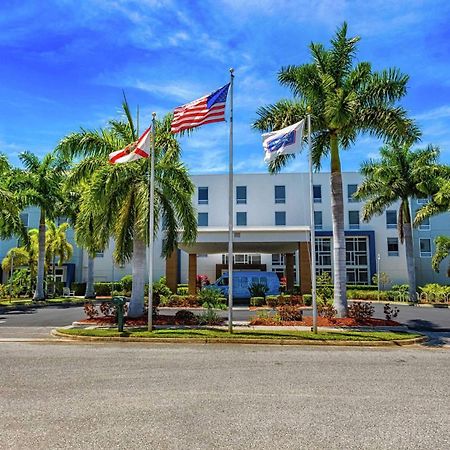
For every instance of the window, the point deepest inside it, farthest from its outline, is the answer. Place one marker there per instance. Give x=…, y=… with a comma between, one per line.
x=422, y=200
x=277, y=259
x=351, y=189
x=241, y=195
x=425, y=225
x=425, y=248
x=99, y=255
x=243, y=258
x=280, y=194
x=357, y=260
x=24, y=219
x=317, y=193
x=280, y=218
x=353, y=220
x=356, y=275
x=318, y=220
x=392, y=246
x=202, y=195
x=391, y=219
x=323, y=253
x=241, y=218
x=202, y=219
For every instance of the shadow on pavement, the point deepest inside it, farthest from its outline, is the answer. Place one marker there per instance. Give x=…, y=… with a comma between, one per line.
x=420, y=324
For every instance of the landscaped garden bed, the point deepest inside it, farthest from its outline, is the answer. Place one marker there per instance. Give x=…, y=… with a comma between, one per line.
x=326, y=322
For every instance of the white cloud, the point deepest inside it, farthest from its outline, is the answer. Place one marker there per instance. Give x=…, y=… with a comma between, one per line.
x=442, y=112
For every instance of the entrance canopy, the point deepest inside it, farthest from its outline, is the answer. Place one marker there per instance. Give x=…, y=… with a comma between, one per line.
x=279, y=239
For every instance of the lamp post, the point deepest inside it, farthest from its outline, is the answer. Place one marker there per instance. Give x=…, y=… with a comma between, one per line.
x=378, y=275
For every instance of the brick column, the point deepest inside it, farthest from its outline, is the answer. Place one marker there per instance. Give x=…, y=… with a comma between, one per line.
x=192, y=281
x=172, y=271
x=305, y=267
x=289, y=272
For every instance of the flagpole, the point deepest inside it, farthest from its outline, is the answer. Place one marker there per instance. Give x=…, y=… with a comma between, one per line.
x=230, y=211
x=151, y=180
x=312, y=232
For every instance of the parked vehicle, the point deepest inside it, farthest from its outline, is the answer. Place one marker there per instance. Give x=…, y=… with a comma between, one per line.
x=242, y=281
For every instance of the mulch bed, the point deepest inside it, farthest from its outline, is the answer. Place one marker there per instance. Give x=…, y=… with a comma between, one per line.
x=138, y=322
x=325, y=322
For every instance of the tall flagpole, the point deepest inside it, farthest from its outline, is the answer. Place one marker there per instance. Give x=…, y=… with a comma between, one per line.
x=230, y=212
x=151, y=181
x=312, y=232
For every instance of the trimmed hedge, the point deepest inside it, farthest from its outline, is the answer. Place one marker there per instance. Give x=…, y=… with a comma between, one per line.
x=101, y=288
x=257, y=301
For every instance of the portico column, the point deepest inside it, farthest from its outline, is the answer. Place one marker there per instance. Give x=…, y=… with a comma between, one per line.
x=289, y=262
x=192, y=281
x=172, y=271
x=304, y=267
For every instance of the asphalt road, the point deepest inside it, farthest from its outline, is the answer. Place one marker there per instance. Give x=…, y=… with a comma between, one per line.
x=412, y=316
x=78, y=396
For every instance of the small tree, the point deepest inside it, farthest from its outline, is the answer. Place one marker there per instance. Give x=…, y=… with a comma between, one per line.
x=384, y=280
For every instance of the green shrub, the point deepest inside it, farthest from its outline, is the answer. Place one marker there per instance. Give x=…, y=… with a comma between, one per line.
x=258, y=289
x=127, y=283
x=434, y=292
x=257, y=301
x=209, y=317
x=78, y=288
x=370, y=295
x=272, y=301
x=182, y=291
x=160, y=288
x=180, y=301
x=324, y=289
x=211, y=297
x=307, y=299
x=289, y=313
x=186, y=317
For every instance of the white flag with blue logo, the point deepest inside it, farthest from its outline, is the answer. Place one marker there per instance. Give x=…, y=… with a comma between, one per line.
x=282, y=142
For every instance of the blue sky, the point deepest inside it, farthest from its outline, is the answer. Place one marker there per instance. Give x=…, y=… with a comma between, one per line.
x=65, y=63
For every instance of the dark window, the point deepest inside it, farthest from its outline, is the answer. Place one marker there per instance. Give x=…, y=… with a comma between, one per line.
x=391, y=219
x=392, y=245
x=425, y=247
x=241, y=218
x=202, y=219
x=353, y=220
x=241, y=195
x=425, y=225
x=202, y=195
x=318, y=220
x=280, y=194
x=351, y=189
x=24, y=219
x=317, y=193
x=280, y=218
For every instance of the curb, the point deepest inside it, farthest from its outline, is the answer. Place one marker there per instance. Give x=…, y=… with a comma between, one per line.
x=396, y=343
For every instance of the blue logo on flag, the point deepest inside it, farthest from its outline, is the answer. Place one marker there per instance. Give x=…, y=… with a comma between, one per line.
x=280, y=142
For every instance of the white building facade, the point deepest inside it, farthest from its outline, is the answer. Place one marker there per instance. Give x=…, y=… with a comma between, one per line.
x=271, y=228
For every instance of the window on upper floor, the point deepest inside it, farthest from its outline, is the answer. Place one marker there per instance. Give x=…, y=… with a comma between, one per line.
x=99, y=254
x=317, y=193
x=353, y=220
x=241, y=195
x=202, y=219
x=425, y=247
x=391, y=219
x=392, y=246
x=241, y=219
x=280, y=217
x=280, y=194
x=318, y=220
x=425, y=225
x=423, y=199
x=24, y=219
x=351, y=189
x=202, y=195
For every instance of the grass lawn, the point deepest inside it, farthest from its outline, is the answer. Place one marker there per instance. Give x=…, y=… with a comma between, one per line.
x=245, y=334
x=49, y=301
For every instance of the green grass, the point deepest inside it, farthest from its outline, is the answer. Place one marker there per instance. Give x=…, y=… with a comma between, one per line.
x=50, y=301
x=247, y=334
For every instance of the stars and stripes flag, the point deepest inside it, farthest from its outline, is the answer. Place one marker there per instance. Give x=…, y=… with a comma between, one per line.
x=208, y=109
x=134, y=151
x=285, y=141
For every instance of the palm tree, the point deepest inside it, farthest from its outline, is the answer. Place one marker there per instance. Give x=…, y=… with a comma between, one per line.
x=57, y=247
x=344, y=100
x=398, y=176
x=40, y=185
x=439, y=203
x=118, y=195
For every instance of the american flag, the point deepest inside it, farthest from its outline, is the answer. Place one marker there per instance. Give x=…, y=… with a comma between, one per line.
x=208, y=109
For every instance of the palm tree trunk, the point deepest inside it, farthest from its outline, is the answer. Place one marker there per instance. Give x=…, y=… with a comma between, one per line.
x=90, y=292
x=39, y=293
x=409, y=250
x=136, y=307
x=337, y=213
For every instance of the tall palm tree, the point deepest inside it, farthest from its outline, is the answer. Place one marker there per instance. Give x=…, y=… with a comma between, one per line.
x=439, y=203
x=398, y=176
x=345, y=99
x=118, y=195
x=40, y=185
x=58, y=247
